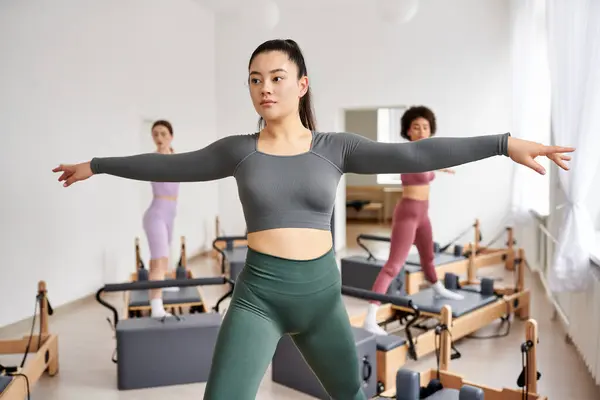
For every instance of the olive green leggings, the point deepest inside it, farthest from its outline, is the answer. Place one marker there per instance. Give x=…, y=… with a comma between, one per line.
x=275, y=296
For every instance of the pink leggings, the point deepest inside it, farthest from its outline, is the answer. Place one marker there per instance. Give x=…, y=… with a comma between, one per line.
x=410, y=224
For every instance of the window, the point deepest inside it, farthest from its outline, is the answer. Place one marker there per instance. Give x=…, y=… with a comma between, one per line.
x=388, y=131
x=539, y=104
x=531, y=113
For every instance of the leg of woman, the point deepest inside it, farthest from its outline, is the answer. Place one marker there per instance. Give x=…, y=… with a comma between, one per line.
x=330, y=350
x=424, y=244
x=404, y=226
x=156, y=233
x=245, y=347
x=169, y=221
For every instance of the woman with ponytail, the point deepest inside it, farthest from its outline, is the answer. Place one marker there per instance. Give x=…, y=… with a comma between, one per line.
x=159, y=219
x=287, y=175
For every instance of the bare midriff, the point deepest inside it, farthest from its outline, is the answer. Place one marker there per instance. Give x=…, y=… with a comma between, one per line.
x=416, y=192
x=171, y=198
x=292, y=243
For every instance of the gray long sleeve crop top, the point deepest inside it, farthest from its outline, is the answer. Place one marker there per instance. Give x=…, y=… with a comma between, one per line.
x=298, y=191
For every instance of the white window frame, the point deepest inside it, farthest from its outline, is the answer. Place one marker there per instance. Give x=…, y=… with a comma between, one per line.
x=388, y=131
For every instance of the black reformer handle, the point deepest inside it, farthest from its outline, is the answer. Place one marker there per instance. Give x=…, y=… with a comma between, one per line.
x=375, y=238
x=384, y=298
x=229, y=238
x=144, y=285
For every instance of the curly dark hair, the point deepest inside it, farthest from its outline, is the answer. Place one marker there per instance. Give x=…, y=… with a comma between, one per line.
x=413, y=113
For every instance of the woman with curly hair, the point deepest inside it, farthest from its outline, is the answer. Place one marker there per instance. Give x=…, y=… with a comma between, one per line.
x=410, y=222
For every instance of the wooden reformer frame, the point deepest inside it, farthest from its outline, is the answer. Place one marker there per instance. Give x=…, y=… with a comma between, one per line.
x=451, y=380
x=478, y=256
x=41, y=349
x=510, y=300
x=170, y=275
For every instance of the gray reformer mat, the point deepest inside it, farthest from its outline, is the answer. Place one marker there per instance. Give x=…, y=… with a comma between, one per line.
x=4, y=382
x=185, y=295
x=444, y=394
x=359, y=272
x=153, y=352
x=410, y=383
x=427, y=301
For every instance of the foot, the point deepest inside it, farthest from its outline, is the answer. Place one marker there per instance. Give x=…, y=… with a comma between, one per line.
x=170, y=289
x=160, y=314
x=158, y=310
x=375, y=329
x=370, y=323
x=441, y=291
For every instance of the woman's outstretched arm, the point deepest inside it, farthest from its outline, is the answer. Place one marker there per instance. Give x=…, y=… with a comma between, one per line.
x=216, y=161
x=365, y=156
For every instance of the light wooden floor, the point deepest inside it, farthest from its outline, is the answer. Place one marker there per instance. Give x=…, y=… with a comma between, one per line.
x=86, y=345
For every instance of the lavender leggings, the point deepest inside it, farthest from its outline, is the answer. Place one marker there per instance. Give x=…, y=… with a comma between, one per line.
x=158, y=224
x=410, y=224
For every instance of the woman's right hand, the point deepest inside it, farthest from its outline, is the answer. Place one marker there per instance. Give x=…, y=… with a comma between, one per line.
x=72, y=173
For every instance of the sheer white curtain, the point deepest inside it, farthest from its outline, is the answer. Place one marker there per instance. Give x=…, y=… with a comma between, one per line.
x=530, y=103
x=574, y=54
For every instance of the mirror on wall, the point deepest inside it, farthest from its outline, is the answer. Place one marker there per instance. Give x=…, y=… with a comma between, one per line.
x=370, y=199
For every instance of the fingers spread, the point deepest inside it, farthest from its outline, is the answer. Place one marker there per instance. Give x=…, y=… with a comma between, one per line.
x=558, y=160
x=531, y=163
x=556, y=149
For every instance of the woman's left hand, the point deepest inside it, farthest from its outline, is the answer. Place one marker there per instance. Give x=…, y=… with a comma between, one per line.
x=524, y=152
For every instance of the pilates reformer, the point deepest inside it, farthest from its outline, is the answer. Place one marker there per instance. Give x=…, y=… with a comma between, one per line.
x=232, y=252
x=138, y=302
x=16, y=382
x=361, y=271
x=482, y=304
x=153, y=352
x=441, y=384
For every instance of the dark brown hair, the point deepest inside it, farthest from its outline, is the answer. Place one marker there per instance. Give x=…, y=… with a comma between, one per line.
x=166, y=124
x=294, y=53
x=413, y=113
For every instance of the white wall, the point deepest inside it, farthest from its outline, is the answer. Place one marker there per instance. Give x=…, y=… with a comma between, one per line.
x=77, y=78
x=453, y=57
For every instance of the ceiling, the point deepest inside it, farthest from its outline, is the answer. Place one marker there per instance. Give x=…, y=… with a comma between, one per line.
x=228, y=5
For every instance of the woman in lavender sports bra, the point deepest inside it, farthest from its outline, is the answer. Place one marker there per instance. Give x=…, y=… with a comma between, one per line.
x=159, y=218
x=410, y=223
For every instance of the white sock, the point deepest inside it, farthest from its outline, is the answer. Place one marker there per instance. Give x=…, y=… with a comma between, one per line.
x=441, y=291
x=170, y=289
x=370, y=323
x=158, y=310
